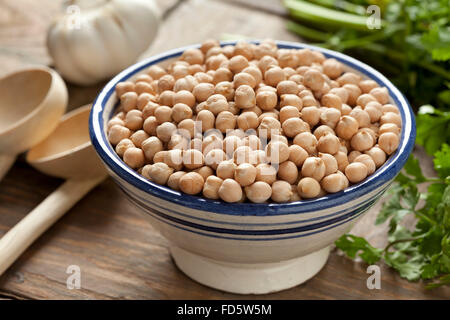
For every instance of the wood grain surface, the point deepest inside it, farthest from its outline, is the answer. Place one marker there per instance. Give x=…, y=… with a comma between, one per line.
x=120, y=255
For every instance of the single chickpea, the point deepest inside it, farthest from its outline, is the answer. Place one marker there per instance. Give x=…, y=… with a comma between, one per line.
x=280, y=138
x=214, y=62
x=341, y=93
x=252, y=141
x=191, y=183
x=374, y=109
x=211, y=187
x=349, y=78
x=166, y=82
x=143, y=101
x=242, y=78
x=225, y=121
x=305, y=57
x=332, y=183
x=115, y=121
x=181, y=111
x=356, y=172
x=297, y=155
x=193, y=56
x=322, y=130
x=145, y=170
x=238, y=63
x=342, y=160
x=166, y=98
x=331, y=100
x=388, y=117
x=203, y=77
x=287, y=58
x=367, y=85
x=150, y=125
x=268, y=126
x=247, y=120
x=163, y=114
x=174, y=159
x=226, y=169
x=244, y=97
x=353, y=93
x=258, y=192
x=347, y=127
x=361, y=116
x=371, y=132
x=230, y=191
x=287, y=87
x=226, y=89
x=231, y=143
x=174, y=180
x=203, y=91
x=211, y=142
x=332, y=68
x=165, y=130
x=288, y=112
x=307, y=141
x=273, y=76
x=267, y=62
x=196, y=68
x=291, y=100
x=313, y=167
x=138, y=137
x=160, y=173
x=352, y=155
x=388, y=142
x=282, y=191
x=362, y=141
x=118, y=133
x=123, y=87
x=266, y=100
x=159, y=156
x=235, y=110
x=389, y=127
x=156, y=72
x=367, y=161
x=266, y=173
x=222, y=74
x=328, y=143
x=216, y=104
x=308, y=188
x=277, y=152
x=205, y=172
x=214, y=157
x=389, y=108
x=208, y=44
x=187, y=128
x=193, y=159
x=184, y=96
x=310, y=115
x=381, y=94
x=331, y=164
x=177, y=141
x=346, y=110
x=288, y=171
x=179, y=71
x=207, y=119
x=313, y=79
x=142, y=87
x=255, y=73
x=294, y=126
x=378, y=155
x=330, y=117
x=128, y=101
x=242, y=155
x=123, y=145
x=134, y=120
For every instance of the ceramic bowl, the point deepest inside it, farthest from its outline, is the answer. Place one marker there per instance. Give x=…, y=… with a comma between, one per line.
x=244, y=247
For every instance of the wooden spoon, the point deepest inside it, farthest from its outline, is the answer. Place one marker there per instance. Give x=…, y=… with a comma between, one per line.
x=32, y=102
x=66, y=153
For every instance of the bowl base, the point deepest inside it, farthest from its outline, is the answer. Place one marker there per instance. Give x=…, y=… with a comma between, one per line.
x=258, y=278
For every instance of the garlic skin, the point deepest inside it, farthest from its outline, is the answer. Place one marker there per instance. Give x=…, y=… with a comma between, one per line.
x=97, y=39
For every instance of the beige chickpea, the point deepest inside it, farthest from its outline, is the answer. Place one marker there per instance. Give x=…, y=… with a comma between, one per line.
x=332, y=183
x=214, y=62
x=362, y=141
x=313, y=167
x=310, y=115
x=205, y=172
x=151, y=146
x=267, y=62
x=389, y=127
x=211, y=142
x=252, y=141
x=138, y=137
x=166, y=98
x=165, y=130
x=174, y=180
x=203, y=77
x=134, y=120
x=191, y=183
x=322, y=130
x=142, y=87
x=356, y=172
x=231, y=143
x=230, y=191
x=174, y=159
x=159, y=156
x=378, y=155
x=361, y=116
x=352, y=155
x=166, y=82
x=163, y=114
x=288, y=171
x=367, y=85
x=244, y=97
x=313, y=79
x=274, y=75
x=222, y=74
x=331, y=100
x=388, y=117
x=346, y=110
x=374, y=109
x=216, y=104
x=184, y=96
x=305, y=57
x=287, y=58
x=211, y=187
x=244, y=78
x=225, y=121
x=266, y=100
x=364, y=99
x=332, y=68
x=307, y=141
x=150, y=125
x=203, y=91
x=308, y=188
x=177, y=141
x=242, y=155
x=115, y=121
x=298, y=79
x=349, y=78
x=128, y=101
x=287, y=87
x=266, y=173
x=226, y=169
x=258, y=157
x=280, y=138
x=207, y=119
x=214, y=157
x=123, y=87
x=389, y=108
x=226, y=89
x=297, y=155
x=247, y=120
x=258, y=192
x=238, y=63
x=160, y=173
x=269, y=126
x=143, y=100
x=381, y=94
x=341, y=93
x=118, y=133
x=193, y=159
x=347, y=127
x=181, y=111
x=208, y=44
x=294, y=126
x=196, y=68
x=291, y=100
x=254, y=72
x=156, y=72
x=193, y=56
x=331, y=164
x=288, y=112
x=277, y=152
x=330, y=117
x=145, y=170
x=185, y=84
x=388, y=142
x=187, y=128
x=328, y=143
x=123, y=145
x=245, y=174
x=342, y=160
x=353, y=93
x=367, y=161
x=281, y=191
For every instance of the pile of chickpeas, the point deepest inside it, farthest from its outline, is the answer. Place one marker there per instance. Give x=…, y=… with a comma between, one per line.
x=254, y=122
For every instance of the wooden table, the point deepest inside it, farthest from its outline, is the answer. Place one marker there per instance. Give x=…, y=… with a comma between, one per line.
x=120, y=255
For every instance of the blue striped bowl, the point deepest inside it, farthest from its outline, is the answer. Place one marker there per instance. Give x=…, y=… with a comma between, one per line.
x=262, y=247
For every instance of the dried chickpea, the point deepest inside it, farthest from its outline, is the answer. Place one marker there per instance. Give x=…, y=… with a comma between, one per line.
x=193, y=56
x=225, y=169
x=230, y=191
x=352, y=155
x=258, y=192
x=174, y=180
x=208, y=44
x=222, y=74
x=328, y=143
x=128, y=101
x=118, y=133
x=362, y=141
x=273, y=76
x=310, y=115
x=163, y=114
x=214, y=157
x=287, y=87
x=165, y=130
x=294, y=126
x=205, y=172
x=166, y=82
x=290, y=100
x=308, y=188
x=389, y=127
x=159, y=156
x=341, y=93
x=225, y=121
x=313, y=79
x=288, y=112
x=254, y=72
x=347, y=127
x=288, y=171
x=332, y=183
x=331, y=164
x=177, y=141
x=242, y=78
x=374, y=109
x=388, y=117
x=238, y=63
x=247, y=120
x=193, y=159
x=184, y=96
x=156, y=72
x=160, y=172
x=353, y=93
x=268, y=126
x=367, y=161
x=211, y=187
x=231, y=143
x=313, y=167
x=367, y=85
x=332, y=68
x=150, y=125
x=138, y=137
x=266, y=100
x=216, y=104
x=123, y=87
x=244, y=97
x=331, y=100
x=330, y=117
x=342, y=160
x=297, y=155
x=356, y=172
x=381, y=94
x=181, y=111
x=361, y=116
x=166, y=98
x=191, y=183
x=203, y=91
x=123, y=145
x=388, y=142
x=207, y=119
x=277, y=151
x=307, y=141
x=281, y=191
x=266, y=173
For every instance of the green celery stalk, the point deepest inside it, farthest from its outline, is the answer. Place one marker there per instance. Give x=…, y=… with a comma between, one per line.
x=307, y=33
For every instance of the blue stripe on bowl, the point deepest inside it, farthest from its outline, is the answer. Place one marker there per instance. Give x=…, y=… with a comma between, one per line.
x=384, y=174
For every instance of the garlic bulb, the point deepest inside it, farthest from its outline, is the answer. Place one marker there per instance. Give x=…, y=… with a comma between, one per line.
x=96, y=39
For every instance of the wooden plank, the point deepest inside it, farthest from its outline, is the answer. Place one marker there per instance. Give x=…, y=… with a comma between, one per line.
x=120, y=255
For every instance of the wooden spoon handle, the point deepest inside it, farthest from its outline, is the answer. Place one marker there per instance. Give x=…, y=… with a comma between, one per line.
x=23, y=234
x=6, y=162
